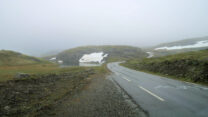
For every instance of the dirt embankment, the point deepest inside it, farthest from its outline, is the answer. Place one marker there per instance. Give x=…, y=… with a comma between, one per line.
x=29, y=97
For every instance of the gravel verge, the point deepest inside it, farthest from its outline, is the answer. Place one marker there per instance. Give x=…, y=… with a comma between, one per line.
x=101, y=98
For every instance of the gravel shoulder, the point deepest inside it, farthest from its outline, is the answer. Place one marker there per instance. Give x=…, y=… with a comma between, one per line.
x=101, y=98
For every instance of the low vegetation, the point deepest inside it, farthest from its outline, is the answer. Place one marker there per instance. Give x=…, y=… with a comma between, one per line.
x=191, y=66
x=9, y=72
x=43, y=86
x=12, y=63
x=11, y=58
x=32, y=95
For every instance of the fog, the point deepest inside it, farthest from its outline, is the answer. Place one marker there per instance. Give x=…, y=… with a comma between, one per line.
x=38, y=26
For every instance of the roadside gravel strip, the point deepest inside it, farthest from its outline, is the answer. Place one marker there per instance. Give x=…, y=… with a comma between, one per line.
x=101, y=98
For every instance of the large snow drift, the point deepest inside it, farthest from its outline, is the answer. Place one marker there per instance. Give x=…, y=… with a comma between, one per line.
x=199, y=44
x=93, y=58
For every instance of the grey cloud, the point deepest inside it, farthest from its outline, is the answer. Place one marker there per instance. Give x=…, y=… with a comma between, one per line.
x=39, y=26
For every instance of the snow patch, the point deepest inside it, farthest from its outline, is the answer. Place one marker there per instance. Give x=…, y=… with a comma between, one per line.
x=150, y=54
x=93, y=58
x=54, y=58
x=199, y=44
x=60, y=62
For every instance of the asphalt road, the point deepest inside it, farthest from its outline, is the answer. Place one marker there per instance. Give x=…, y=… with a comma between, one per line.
x=162, y=97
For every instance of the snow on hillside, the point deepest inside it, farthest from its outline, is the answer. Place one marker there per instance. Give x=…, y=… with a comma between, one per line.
x=55, y=60
x=93, y=58
x=199, y=44
x=150, y=54
x=60, y=62
x=52, y=59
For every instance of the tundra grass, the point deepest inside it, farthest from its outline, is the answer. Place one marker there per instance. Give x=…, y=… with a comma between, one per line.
x=190, y=67
x=183, y=79
x=38, y=94
x=9, y=72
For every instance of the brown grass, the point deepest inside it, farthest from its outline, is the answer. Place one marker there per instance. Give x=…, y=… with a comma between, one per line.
x=8, y=72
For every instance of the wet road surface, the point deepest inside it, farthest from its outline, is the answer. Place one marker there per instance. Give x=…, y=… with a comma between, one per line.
x=162, y=97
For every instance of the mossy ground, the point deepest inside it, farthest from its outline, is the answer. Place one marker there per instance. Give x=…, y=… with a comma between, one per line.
x=31, y=96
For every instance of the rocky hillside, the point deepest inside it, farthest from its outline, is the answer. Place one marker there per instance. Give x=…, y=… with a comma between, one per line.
x=190, y=66
x=10, y=58
x=72, y=56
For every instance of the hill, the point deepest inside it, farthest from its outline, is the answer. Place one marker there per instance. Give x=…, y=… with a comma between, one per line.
x=183, y=42
x=11, y=58
x=72, y=56
x=13, y=63
x=181, y=46
x=190, y=66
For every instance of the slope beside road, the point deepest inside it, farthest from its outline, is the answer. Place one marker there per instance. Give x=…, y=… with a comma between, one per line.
x=162, y=97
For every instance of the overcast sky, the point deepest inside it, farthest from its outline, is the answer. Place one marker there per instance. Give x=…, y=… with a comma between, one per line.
x=39, y=26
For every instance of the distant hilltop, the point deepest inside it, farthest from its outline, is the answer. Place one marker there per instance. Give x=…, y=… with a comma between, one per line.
x=198, y=44
x=11, y=58
x=186, y=45
x=98, y=54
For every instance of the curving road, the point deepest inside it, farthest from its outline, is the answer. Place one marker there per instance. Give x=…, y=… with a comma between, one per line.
x=162, y=97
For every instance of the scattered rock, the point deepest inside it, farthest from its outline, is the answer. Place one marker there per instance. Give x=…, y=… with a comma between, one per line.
x=21, y=75
x=17, y=93
x=7, y=108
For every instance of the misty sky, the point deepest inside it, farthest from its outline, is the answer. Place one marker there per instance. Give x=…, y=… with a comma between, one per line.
x=39, y=26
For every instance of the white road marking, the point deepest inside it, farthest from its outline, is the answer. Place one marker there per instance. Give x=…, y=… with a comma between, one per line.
x=126, y=79
x=122, y=77
x=159, y=98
